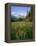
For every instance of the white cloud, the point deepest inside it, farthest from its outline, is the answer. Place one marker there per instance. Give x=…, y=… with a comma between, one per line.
x=22, y=14
x=25, y=14
x=12, y=13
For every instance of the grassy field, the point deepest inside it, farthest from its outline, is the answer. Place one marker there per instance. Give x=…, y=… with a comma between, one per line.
x=21, y=30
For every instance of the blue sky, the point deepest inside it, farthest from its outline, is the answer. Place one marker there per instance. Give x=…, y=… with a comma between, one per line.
x=19, y=11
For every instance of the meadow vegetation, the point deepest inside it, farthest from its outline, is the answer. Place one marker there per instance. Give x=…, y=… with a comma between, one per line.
x=21, y=30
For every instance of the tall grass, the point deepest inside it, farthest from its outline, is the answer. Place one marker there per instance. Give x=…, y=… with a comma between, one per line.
x=21, y=30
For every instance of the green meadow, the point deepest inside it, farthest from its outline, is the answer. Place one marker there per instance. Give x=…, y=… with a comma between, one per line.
x=21, y=30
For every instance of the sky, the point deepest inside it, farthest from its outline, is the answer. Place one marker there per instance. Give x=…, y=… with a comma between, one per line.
x=19, y=11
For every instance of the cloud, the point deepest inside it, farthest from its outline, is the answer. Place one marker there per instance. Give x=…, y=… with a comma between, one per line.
x=12, y=13
x=25, y=14
x=19, y=14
